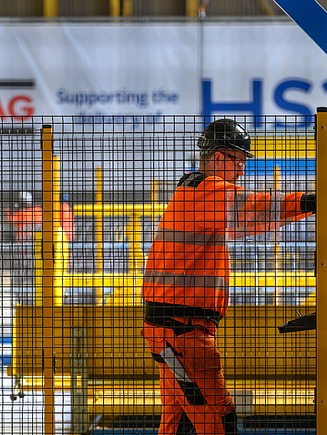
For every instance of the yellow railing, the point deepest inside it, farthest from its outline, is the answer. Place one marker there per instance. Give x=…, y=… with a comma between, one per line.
x=125, y=288
x=133, y=230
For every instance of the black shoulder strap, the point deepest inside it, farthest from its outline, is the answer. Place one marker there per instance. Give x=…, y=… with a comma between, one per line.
x=192, y=180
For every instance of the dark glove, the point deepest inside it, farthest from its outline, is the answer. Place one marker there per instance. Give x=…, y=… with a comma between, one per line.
x=308, y=203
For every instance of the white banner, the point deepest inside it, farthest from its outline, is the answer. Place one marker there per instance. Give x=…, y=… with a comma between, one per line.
x=262, y=69
x=180, y=68
x=98, y=69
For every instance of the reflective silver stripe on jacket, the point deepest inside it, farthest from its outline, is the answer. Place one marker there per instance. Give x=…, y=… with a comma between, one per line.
x=183, y=280
x=189, y=237
x=275, y=206
x=264, y=220
x=241, y=198
x=235, y=202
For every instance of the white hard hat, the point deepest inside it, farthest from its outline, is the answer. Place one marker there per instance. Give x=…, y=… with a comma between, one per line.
x=23, y=199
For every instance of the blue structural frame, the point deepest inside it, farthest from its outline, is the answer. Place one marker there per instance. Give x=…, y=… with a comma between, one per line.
x=310, y=16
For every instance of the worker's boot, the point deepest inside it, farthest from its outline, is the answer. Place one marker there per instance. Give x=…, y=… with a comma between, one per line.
x=185, y=426
x=230, y=423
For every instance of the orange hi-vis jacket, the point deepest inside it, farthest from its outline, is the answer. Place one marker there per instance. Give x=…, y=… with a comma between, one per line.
x=188, y=263
x=28, y=221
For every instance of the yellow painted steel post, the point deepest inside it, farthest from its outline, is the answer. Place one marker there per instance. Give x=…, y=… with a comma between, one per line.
x=99, y=231
x=48, y=262
x=321, y=401
x=114, y=8
x=58, y=236
x=127, y=8
x=99, y=222
x=192, y=8
x=277, y=247
x=50, y=8
x=38, y=269
x=61, y=261
x=267, y=7
x=136, y=257
x=139, y=258
x=56, y=193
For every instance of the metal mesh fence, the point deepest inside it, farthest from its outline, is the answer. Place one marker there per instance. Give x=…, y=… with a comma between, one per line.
x=112, y=218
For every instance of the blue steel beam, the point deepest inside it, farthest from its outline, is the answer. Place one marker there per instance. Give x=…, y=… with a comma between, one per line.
x=310, y=16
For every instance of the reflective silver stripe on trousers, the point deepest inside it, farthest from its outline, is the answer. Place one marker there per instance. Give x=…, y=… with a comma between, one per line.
x=191, y=390
x=174, y=365
x=189, y=237
x=183, y=280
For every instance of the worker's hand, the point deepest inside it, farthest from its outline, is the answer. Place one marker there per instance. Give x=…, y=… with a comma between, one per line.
x=308, y=203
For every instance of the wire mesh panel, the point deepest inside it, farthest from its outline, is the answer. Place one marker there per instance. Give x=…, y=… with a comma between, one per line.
x=162, y=278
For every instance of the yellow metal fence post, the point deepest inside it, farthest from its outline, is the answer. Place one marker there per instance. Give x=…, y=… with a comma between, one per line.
x=277, y=241
x=192, y=8
x=38, y=269
x=114, y=8
x=321, y=400
x=50, y=8
x=99, y=222
x=57, y=231
x=48, y=263
x=127, y=8
x=99, y=234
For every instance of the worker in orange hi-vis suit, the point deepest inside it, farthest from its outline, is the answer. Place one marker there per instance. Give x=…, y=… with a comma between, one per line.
x=186, y=281
x=26, y=219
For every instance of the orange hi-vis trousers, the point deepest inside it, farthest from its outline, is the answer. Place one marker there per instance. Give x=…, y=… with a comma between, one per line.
x=191, y=379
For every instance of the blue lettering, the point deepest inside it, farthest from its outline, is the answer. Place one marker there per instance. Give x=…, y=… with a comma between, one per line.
x=293, y=107
x=62, y=96
x=254, y=106
x=91, y=98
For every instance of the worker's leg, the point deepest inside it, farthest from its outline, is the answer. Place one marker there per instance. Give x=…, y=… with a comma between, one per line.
x=211, y=402
x=200, y=358
x=173, y=418
x=171, y=413
x=203, y=418
x=171, y=422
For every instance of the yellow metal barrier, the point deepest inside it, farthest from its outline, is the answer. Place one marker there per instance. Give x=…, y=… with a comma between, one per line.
x=133, y=230
x=58, y=346
x=126, y=287
x=257, y=359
